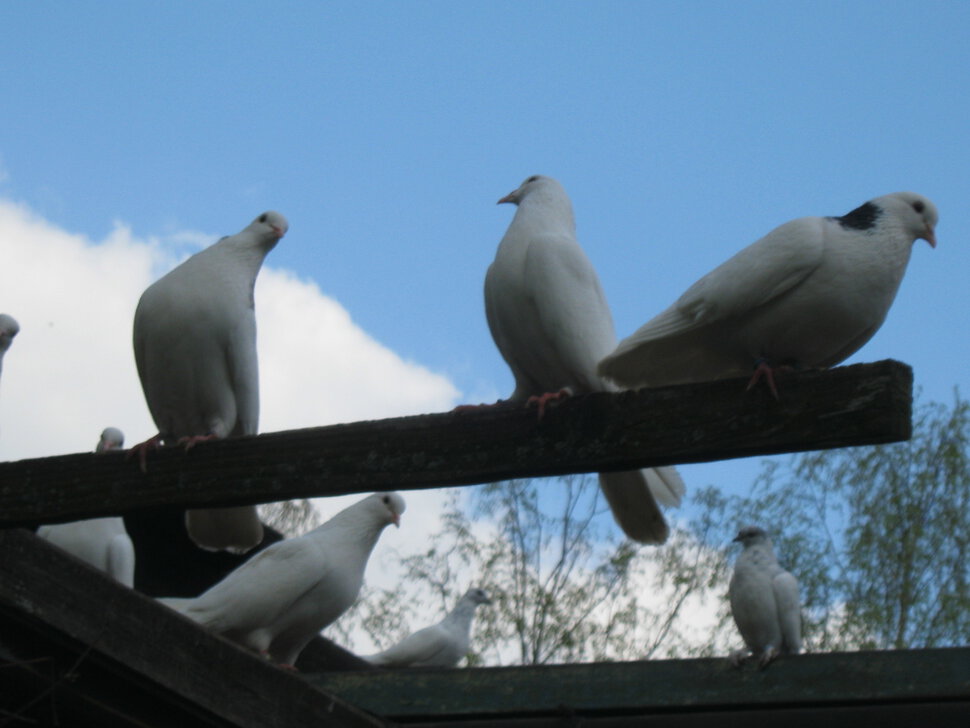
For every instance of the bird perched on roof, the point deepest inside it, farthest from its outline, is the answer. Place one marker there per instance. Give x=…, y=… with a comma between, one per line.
x=808, y=294
x=441, y=645
x=102, y=542
x=195, y=348
x=764, y=600
x=281, y=598
x=549, y=318
x=8, y=330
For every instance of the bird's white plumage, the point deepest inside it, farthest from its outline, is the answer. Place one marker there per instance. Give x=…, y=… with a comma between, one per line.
x=282, y=597
x=195, y=348
x=102, y=542
x=8, y=330
x=549, y=318
x=810, y=293
x=441, y=645
x=764, y=599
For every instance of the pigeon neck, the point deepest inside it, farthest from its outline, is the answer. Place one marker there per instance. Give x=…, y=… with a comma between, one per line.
x=547, y=213
x=462, y=614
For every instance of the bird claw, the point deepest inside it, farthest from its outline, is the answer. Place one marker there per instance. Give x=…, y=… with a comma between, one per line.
x=767, y=657
x=737, y=658
x=191, y=441
x=765, y=371
x=141, y=450
x=541, y=400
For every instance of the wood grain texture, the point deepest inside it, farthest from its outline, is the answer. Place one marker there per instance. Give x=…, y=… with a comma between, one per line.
x=858, y=405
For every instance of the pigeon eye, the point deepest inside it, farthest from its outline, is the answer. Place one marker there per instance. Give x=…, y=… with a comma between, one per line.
x=386, y=499
x=919, y=206
x=533, y=178
x=262, y=218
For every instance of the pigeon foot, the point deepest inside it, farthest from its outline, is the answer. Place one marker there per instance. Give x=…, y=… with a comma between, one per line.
x=142, y=448
x=541, y=400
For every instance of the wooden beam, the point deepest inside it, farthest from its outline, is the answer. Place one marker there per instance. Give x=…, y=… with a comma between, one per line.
x=857, y=405
x=935, y=681
x=99, y=650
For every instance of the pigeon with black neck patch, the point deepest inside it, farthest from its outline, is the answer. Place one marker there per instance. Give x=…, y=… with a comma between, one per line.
x=810, y=293
x=195, y=349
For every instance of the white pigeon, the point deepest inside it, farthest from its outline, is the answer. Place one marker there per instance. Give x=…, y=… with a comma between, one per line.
x=8, y=329
x=281, y=598
x=440, y=645
x=195, y=347
x=550, y=320
x=764, y=600
x=808, y=294
x=102, y=542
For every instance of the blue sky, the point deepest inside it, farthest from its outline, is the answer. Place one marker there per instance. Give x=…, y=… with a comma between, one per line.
x=385, y=132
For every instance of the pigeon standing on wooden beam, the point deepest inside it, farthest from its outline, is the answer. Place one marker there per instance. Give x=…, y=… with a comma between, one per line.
x=549, y=318
x=282, y=597
x=195, y=347
x=102, y=542
x=764, y=600
x=440, y=645
x=808, y=294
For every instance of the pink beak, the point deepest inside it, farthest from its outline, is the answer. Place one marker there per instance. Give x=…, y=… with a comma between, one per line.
x=507, y=198
x=930, y=236
x=396, y=520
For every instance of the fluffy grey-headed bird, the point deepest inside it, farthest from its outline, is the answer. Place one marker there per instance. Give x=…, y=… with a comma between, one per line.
x=550, y=320
x=440, y=645
x=808, y=294
x=195, y=347
x=281, y=598
x=102, y=542
x=764, y=600
x=8, y=329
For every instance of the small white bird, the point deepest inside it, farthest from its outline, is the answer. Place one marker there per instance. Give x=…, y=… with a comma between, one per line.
x=8, y=329
x=808, y=294
x=764, y=600
x=195, y=348
x=102, y=542
x=281, y=598
x=550, y=320
x=440, y=645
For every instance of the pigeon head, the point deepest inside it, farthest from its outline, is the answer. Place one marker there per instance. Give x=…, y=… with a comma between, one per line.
x=111, y=439
x=389, y=506
x=751, y=535
x=477, y=596
x=916, y=214
x=270, y=225
x=535, y=184
x=8, y=329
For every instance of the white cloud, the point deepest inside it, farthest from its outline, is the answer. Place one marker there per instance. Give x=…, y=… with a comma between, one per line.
x=71, y=372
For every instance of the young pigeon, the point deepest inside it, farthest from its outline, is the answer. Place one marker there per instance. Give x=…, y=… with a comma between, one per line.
x=550, y=320
x=764, y=600
x=8, y=329
x=195, y=347
x=808, y=294
x=281, y=598
x=102, y=542
x=440, y=645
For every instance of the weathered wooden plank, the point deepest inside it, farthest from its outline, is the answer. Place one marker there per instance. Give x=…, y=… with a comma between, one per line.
x=650, y=687
x=101, y=641
x=857, y=405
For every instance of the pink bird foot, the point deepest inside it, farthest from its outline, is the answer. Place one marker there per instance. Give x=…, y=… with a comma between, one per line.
x=141, y=450
x=765, y=371
x=541, y=400
x=191, y=441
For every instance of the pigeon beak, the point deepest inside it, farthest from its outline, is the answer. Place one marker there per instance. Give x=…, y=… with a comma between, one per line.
x=396, y=520
x=510, y=197
x=278, y=230
x=929, y=236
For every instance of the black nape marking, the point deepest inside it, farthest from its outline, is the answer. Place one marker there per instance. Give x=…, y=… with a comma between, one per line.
x=863, y=217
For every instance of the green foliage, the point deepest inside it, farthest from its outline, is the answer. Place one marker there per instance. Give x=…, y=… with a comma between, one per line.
x=879, y=537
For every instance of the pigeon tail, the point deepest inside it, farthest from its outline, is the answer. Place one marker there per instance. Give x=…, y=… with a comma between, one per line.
x=634, y=506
